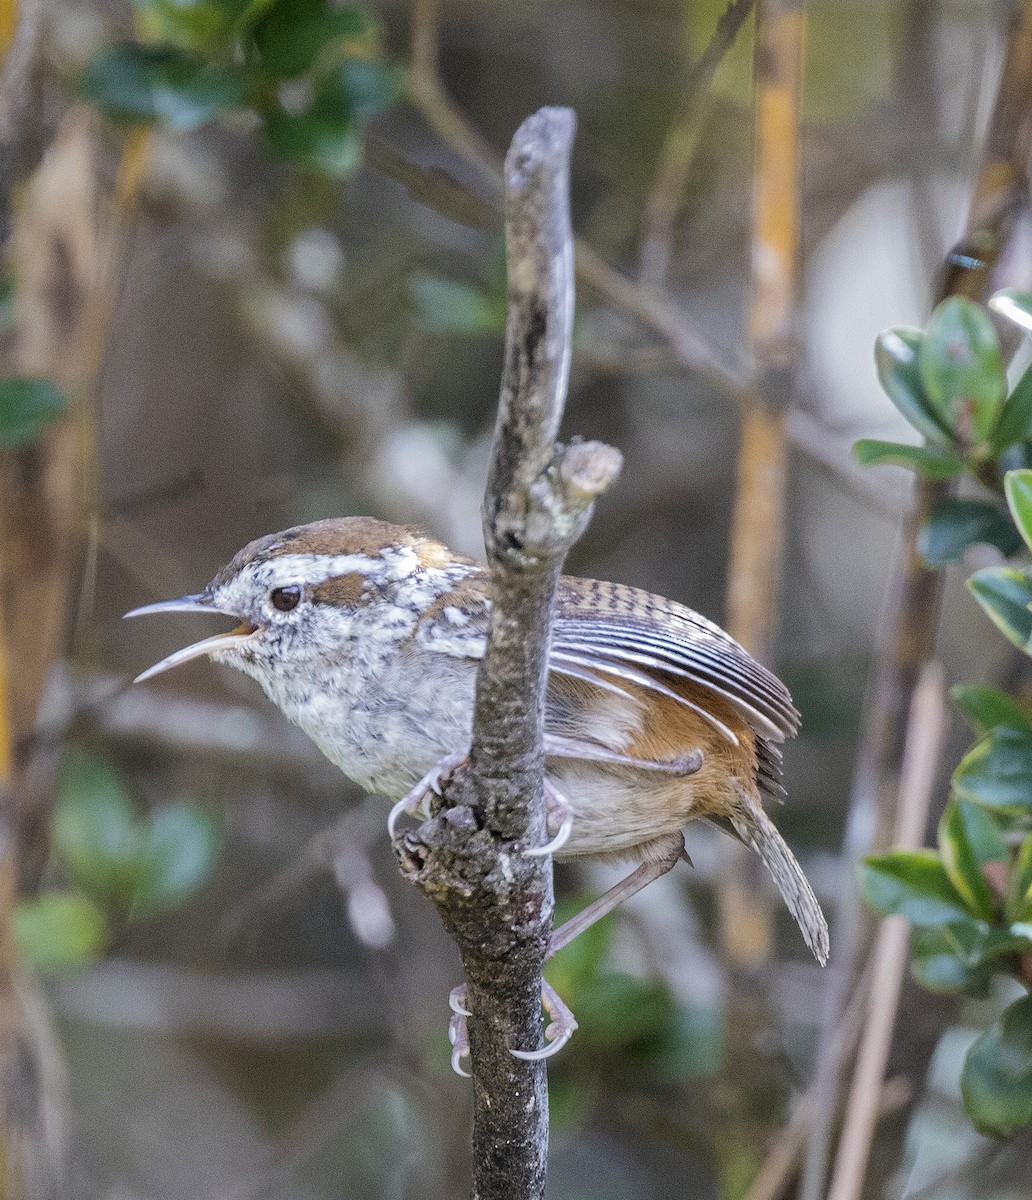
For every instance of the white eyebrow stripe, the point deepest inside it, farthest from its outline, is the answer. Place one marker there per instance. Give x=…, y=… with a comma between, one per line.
x=395, y=563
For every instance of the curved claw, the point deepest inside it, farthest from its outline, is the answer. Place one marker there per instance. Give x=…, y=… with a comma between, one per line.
x=455, y=998
x=553, y=1047
x=460, y=1043
x=397, y=810
x=556, y=844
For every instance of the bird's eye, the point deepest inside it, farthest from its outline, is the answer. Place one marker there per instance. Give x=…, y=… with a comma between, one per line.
x=285, y=598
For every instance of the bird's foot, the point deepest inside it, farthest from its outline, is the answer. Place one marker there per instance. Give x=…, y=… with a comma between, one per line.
x=562, y=1025
x=560, y=819
x=417, y=802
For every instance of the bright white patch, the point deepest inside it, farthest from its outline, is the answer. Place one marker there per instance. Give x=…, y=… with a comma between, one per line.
x=455, y=616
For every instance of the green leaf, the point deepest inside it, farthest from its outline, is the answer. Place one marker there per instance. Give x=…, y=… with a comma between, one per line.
x=26, y=407
x=368, y=87
x=1005, y=595
x=956, y=524
x=445, y=306
x=161, y=85
x=932, y=464
x=1019, y=899
x=941, y=963
x=1018, y=487
x=895, y=356
x=177, y=852
x=962, y=370
x=961, y=835
x=294, y=35
x=997, y=772
x=1015, y=424
x=59, y=931
x=913, y=884
x=94, y=827
x=203, y=25
x=996, y=1083
x=988, y=708
x=1014, y=304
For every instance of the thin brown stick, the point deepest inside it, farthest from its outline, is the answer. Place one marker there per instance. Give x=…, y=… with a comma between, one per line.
x=693, y=350
x=495, y=900
x=926, y=733
x=916, y=593
x=663, y=203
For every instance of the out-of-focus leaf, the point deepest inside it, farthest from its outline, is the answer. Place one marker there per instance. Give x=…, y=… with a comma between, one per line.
x=1018, y=486
x=996, y=1083
x=691, y=1045
x=997, y=772
x=60, y=931
x=988, y=708
x=895, y=355
x=962, y=369
x=26, y=407
x=370, y=87
x=178, y=849
x=1015, y=424
x=932, y=464
x=1019, y=901
x=913, y=884
x=939, y=962
x=956, y=524
x=294, y=35
x=1005, y=595
x=161, y=85
x=446, y=306
x=202, y=25
x=616, y=1010
x=579, y=963
x=94, y=826
x=1014, y=304
x=961, y=835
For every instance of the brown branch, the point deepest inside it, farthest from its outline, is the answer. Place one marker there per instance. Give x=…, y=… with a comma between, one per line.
x=692, y=348
x=917, y=591
x=495, y=901
x=664, y=199
x=926, y=732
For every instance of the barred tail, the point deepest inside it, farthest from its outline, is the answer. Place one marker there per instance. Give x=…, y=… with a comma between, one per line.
x=757, y=830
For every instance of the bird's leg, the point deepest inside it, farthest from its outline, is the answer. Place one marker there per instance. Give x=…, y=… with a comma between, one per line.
x=418, y=799
x=562, y=1025
x=641, y=877
x=561, y=747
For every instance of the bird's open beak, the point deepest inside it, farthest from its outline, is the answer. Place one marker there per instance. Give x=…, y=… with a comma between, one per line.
x=192, y=604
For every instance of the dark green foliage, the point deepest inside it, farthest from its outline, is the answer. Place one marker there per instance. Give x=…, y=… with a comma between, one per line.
x=970, y=900
x=309, y=70
x=956, y=524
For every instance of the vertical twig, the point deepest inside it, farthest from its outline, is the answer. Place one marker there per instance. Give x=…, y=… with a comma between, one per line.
x=997, y=198
x=926, y=731
x=757, y=532
x=495, y=901
x=666, y=194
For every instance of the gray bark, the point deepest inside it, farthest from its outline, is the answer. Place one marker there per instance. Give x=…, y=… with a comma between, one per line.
x=496, y=902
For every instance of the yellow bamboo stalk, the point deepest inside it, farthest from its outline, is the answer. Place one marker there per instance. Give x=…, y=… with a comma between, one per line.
x=757, y=531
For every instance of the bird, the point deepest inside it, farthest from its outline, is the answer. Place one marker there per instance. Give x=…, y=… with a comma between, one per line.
x=367, y=636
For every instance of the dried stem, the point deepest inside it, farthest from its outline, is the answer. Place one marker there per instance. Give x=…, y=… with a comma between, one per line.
x=926, y=732
x=692, y=349
x=495, y=901
x=682, y=139
x=916, y=593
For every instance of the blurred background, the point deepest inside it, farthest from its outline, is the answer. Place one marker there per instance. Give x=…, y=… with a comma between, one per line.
x=257, y=318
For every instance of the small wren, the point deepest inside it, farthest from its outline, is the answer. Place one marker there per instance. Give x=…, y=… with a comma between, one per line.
x=367, y=636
